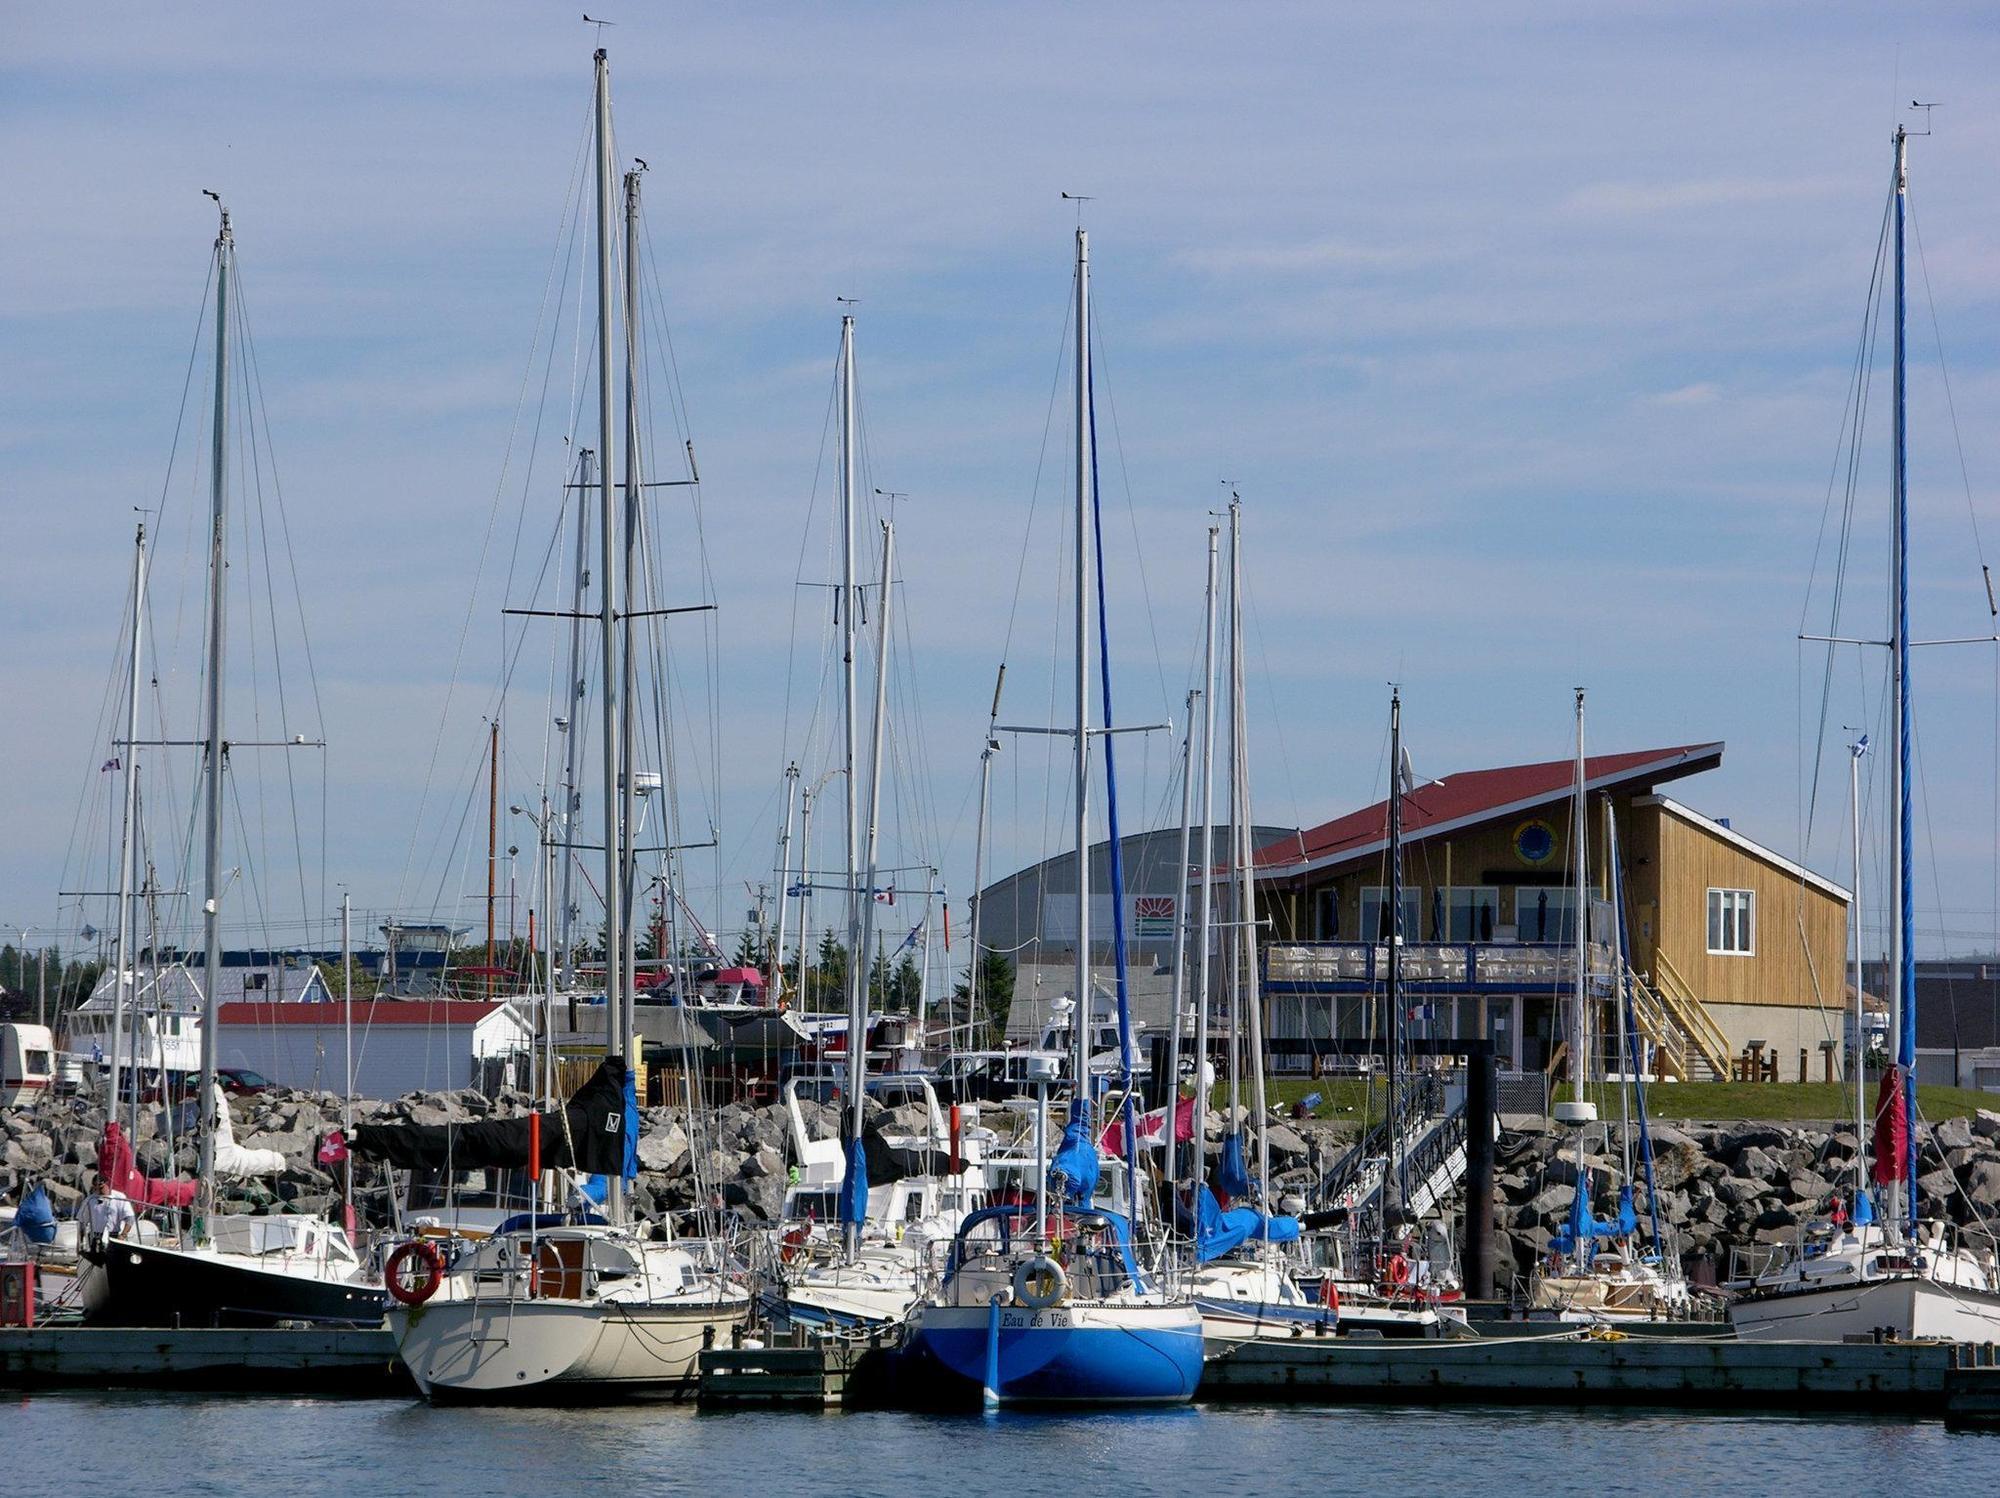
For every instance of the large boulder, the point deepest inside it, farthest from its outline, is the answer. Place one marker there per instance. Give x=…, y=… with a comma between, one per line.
x=1954, y=1134
x=663, y=1148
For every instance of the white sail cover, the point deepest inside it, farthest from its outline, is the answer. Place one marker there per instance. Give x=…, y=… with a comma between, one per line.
x=231, y=1158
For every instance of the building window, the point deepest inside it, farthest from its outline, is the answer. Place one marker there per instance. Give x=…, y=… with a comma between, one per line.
x=1375, y=914
x=1544, y=914
x=1732, y=922
x=1474, y=911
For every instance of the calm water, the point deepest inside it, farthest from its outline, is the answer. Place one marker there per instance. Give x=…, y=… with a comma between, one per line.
x=166, y=1446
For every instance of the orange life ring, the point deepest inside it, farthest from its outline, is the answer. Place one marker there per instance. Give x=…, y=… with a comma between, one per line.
x=1398, y=1271
x=794, y=1240
x=429, y=1266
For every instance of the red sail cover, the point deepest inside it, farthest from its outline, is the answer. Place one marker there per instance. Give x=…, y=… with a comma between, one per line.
x=115, y=1164
x=1892, y=1130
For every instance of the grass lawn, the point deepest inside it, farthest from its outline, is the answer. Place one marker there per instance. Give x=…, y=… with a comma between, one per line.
x=1350, y=1098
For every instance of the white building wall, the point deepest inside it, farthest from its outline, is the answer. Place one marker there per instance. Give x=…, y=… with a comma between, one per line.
x=389, y=1060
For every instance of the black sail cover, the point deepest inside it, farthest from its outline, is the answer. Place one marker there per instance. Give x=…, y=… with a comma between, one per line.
x=593, y=1141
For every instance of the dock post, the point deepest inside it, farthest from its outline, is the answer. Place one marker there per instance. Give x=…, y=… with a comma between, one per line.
x=1481, y=1094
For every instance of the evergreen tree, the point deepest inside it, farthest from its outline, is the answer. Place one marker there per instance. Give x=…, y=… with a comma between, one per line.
x=996, y=996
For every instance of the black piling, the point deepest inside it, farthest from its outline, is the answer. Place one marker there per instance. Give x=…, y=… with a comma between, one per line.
x=1481, y=1096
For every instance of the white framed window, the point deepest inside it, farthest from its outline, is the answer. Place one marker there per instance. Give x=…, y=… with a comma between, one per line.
x=1545, y=914
x=1375, y=914
x=1732, y=922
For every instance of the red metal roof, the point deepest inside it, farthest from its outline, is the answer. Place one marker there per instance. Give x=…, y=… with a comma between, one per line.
x=366, y=1012
x=1474, y=796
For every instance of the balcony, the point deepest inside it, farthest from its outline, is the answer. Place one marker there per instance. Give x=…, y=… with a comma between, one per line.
x=1433, y=967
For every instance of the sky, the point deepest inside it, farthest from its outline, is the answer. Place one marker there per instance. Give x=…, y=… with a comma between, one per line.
x=1525, y=335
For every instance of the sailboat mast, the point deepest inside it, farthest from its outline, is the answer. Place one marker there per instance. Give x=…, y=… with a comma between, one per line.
x=1579, y=1064
x=1205, y=920
x=1080, y=1015
x=218, y=594
x=125, y=985
x=1246, y=913
x=1177, y=1011
x=607, y=613
x=628, y=690
x=573, y=725
x=857, y=956
x=857, y=1019
x=1857, y=1051
x=972, y=975
x=774, y=988
x=1393, y=1194
x=1902, y=951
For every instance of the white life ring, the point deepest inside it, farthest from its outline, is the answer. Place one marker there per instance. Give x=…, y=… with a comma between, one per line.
x=1039, y=1282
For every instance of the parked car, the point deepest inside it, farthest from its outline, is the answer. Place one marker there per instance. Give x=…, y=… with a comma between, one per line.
x=241, y=1081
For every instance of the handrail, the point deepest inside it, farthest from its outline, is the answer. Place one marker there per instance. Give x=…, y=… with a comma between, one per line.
x=1692, y=1016
x=1657, y=1025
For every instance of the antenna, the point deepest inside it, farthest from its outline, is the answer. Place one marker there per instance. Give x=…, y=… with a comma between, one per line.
x=1079, y=199
x=1926, y=108
x=590, y=20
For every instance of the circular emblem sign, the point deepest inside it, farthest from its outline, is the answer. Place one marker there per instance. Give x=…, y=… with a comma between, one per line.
x=1535, y=842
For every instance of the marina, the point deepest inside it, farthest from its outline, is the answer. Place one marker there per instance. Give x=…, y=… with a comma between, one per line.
x=970, y=780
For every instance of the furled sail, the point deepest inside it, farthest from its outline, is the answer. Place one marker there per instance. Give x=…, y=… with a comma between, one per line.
x=587, y=1134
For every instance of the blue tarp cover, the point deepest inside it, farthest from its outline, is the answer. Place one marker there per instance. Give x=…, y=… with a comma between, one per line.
x=1232, y=1177
x=854, y=1185
x=1218, y=1232
x=1073, y=1171
x=35, y=1217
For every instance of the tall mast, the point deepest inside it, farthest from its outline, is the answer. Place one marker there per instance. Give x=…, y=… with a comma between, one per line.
x=1902, y=948
x=857, y=954
x=1232, y=930
x=1080, y=1015
x=1394, y=1192
x=775, y=988
x=972, y=975
x=1246, y=913
x=805, y=894
x=573, y=694
x=1857, y=1052
x=216, y=745
x=1579, y=1062
x=125, y=985
x=857, y=1018
x=1178, y=1009
x=492, y=841
x=1205, y=917
x=607, y=614
x=628, y=691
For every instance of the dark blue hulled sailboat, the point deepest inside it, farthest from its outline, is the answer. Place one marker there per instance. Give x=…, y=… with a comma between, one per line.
x=1047, y=1303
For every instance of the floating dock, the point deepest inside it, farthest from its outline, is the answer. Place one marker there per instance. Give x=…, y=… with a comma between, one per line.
x=805, y=1372
x=1868, y=1377
x=214, y=1360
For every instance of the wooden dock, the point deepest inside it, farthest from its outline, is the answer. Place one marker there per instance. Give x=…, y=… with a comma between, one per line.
x=1866, y=1377
x=213, y=1360
x=804, y=1373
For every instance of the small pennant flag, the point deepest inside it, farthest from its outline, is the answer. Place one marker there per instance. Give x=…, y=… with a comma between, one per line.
x=110, y=764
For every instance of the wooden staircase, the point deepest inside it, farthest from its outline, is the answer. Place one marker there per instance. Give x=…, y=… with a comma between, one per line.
x=1674, y=1018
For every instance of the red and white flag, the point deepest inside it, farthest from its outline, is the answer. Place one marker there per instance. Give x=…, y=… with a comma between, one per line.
x=1151, y=1129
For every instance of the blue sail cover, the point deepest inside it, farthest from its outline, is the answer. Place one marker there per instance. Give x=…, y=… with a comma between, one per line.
x=631, y=1126
x=1073, y=1171
x=35, y=1217
x=1218, y=1232
x=1864, y=1209
x=1232, y=1177
x=854, y=1185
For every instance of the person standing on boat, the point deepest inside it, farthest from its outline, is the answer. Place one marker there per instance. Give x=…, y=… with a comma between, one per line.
x=106, y=1212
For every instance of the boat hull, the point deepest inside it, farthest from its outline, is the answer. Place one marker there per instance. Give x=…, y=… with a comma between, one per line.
x=1069, y=1354
x=146, y=1284
x=1908, y=1306
x=1226, y=1322
x=498, y=1350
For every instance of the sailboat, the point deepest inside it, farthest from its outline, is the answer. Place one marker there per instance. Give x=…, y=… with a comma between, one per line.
x=571, y=1305
x=230, y=1269
x=1603, y=1269
x=1048, y=1303
x=1879, y=1266
x=868, y=1273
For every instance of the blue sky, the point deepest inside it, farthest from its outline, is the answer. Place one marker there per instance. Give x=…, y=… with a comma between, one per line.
x=1524, y=334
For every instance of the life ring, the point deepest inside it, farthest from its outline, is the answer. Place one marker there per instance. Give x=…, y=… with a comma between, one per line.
x=1397, y=1271
x=1039, y=1282
x=793, y=1241
x=422, y=1255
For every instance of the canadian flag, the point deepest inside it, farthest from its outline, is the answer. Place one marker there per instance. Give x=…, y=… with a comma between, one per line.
x=886, y=896
x=1151, y=1129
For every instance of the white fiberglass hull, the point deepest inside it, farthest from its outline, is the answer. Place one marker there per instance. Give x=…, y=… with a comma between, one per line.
x=496, y=1349
x=1908, y=1306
